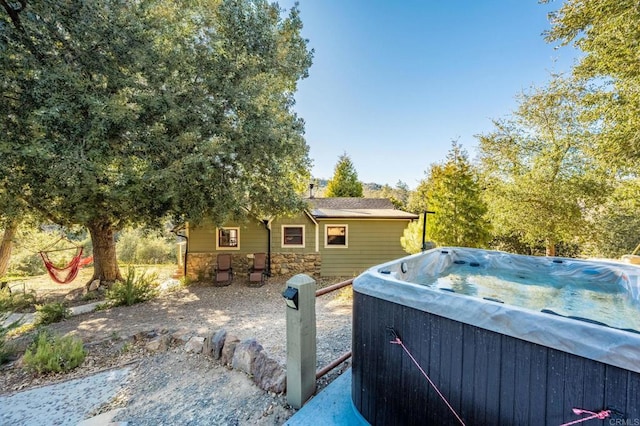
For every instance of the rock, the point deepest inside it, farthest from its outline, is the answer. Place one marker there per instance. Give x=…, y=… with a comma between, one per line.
x=194, y=345
x=214, y=343
x=245, y=355
x=182, y=336
x=159, y=343
x=145, y=335
x=95, y=284
x=168, y=285
x=226, y=356
x=268, y=374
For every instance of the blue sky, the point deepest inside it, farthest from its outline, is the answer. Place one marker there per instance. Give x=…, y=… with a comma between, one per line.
x=394, y=82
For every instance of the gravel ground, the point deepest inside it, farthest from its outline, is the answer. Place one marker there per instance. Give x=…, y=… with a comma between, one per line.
x=175, y=387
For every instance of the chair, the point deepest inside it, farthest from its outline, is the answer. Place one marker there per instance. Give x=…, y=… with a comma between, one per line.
x=258, y=272
x=224, y=270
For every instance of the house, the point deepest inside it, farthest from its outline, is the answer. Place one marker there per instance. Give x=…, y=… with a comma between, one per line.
x=332, y=237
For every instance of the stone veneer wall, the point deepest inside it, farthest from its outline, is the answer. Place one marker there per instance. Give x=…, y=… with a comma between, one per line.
x=201, y=266
x=294, y=263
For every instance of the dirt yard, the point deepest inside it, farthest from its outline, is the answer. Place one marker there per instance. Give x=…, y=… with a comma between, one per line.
x=175, y=387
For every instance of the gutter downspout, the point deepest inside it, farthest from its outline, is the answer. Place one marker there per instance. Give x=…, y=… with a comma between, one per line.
x=186, y=251
x=267, y=225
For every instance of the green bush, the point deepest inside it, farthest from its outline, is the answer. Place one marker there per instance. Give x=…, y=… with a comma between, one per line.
x=5, y=352
x=51, y=312
x=134, y=289
x=50, y=353
x=16, y=302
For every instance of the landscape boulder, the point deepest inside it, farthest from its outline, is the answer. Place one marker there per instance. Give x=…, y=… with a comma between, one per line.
x=194, y=345
x=245, y=355
x=214, y=343
x=159, y=343
x=268, y=374
x=226, y=356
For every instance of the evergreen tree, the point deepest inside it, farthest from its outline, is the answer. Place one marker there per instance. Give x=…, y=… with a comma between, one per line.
x=453, y=192
x=345, y=181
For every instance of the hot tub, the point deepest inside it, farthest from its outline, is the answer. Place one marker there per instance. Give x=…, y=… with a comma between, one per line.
x=506, y=339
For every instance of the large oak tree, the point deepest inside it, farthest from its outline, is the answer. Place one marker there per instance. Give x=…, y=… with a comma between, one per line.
x=608, y=33
x=120, y=112
x=541, y=177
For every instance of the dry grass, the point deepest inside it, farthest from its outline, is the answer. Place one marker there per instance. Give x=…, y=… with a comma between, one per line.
x=47, y=290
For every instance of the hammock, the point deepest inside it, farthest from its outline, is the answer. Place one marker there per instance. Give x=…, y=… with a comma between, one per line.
x=68, y=273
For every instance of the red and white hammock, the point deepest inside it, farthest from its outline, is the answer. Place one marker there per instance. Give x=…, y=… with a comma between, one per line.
x=64, y=275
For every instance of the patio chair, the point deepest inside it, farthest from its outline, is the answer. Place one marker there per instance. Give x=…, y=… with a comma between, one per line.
x=258, y=272
x=224, y=270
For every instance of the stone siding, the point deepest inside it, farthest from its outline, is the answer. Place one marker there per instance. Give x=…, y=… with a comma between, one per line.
x=201, y=266
x=295, y=263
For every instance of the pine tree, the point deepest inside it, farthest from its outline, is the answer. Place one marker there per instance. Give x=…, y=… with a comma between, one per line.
x=345, y=181
x=452, y=191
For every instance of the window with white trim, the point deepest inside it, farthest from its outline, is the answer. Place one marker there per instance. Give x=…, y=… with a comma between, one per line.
x=336, y=236
x=228, y=239
x=293, y=236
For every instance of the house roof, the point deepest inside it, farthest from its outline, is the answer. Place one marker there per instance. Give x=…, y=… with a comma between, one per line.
x=357, y=208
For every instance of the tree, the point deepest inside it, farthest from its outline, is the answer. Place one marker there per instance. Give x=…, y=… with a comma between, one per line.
x=399, y=195
x=120, y=114
x=453, y=192
x=616, y=223
x=6, y=245
x=540, y=176
x=608, y=32
x=345, y=180
x=418, y=199
x=10, y=218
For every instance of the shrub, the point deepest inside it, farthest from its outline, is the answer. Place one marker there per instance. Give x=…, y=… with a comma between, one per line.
x=50, y=353
x=51, y=312
x=134, y=289
x=15, y=302
x=5, y=352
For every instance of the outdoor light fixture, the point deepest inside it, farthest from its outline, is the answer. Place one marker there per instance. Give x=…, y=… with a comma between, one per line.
x=290, y=295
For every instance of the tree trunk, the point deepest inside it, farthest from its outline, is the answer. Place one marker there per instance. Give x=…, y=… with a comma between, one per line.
x=6, y=245
x=105, y=263
x=551, y=248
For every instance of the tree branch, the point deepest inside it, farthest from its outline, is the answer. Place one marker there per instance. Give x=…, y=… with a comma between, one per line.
x=14, y=14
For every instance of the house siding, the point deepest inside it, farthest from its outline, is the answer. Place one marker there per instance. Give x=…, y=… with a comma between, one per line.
x=309, y=235
x=370, y=242
x=253, y=238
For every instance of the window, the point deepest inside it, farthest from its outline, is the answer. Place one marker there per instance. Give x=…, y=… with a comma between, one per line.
x=228, y=239
x=292, y=235
x=335, y=236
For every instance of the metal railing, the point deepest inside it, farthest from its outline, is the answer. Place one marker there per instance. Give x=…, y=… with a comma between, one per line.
x=333, y=364
x=300, y=295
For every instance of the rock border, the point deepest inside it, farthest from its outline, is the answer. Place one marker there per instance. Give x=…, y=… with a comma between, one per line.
x=247, y=356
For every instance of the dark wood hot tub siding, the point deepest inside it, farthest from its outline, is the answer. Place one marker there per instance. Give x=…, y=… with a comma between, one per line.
x=489, y=378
